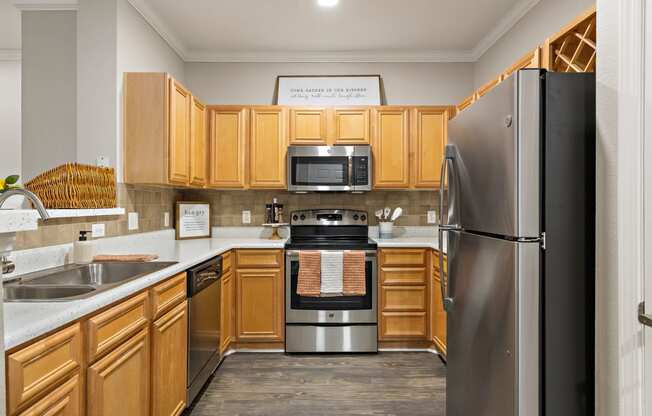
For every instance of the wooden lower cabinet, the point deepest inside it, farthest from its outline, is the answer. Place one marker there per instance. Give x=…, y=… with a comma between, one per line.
x=228, y=312
x=260, y=305
x=118, y=384
x=65, y=400
x=438, y=315
x=169, y=362
x=404, y=295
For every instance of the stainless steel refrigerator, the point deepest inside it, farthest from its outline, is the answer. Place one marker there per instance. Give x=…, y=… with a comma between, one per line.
x=520, y=231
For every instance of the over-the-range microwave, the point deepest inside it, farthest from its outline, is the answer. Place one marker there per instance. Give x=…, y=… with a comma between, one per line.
x=329, y=168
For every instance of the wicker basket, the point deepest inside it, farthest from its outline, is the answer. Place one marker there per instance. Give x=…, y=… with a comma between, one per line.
x=75, y=186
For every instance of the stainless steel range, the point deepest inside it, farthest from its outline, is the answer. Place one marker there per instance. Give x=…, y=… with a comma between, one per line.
x=330, y=324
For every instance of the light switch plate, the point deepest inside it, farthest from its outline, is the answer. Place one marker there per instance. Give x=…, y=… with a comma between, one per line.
x=432, y=217
x=246, y=217
x=166, y=219
x=133, y=221
x=98, y=230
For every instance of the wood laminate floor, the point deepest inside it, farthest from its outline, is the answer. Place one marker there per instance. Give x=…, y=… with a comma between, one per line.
x=390, y=383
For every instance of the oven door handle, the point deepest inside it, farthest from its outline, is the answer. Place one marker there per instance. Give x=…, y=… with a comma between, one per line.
x=295, y=253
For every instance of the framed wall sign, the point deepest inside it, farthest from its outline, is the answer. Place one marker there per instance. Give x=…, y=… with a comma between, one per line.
x=324, y=90
x=193, y=220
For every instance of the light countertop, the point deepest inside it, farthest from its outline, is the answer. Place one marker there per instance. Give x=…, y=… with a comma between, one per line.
x=409, y=242
x=24, y=321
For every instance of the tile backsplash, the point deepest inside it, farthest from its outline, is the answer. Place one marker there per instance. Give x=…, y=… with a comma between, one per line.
x=149, y=202
x=227, y=206
x=226, y=210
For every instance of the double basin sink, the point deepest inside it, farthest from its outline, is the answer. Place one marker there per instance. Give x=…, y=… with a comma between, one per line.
x=74, y=282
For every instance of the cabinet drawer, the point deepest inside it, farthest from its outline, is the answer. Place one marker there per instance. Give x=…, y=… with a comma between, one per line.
x=403, y=325
x=65, y=400
x=403, y=276
x=402, y=257
x=112, y=327
x=403, y=299
x=259, y=258
x=38, y=367
x=227, y=259
x=168, y=294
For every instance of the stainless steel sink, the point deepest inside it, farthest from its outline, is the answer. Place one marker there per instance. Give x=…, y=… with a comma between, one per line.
x=45, y=293
x=73, y=282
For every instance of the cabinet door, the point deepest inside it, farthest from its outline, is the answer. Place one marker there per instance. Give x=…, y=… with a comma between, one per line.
x=228, y=147
x=65, y=400
x=228, y=324
x=308, y=126
x=438, y=314
x=118, y=384
x=350, y=126
x=169, y=358
x=179, y=147
x=198, y=144
x=428, y=140
x=268, y=148
x=260, y=305
x=391, y=148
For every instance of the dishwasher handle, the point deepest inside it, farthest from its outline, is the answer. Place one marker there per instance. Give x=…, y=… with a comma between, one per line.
x=200, y=277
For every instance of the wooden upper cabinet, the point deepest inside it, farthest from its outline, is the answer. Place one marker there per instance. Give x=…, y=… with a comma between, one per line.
x=350, y=126
x=156, y=129
x=428, y=139
x=308, y=126
x=268, y=148
x=180, y=100
x=198, y=144
x=228, y=147
x=390, y=146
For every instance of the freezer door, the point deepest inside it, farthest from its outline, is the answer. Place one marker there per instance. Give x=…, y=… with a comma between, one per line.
x=495, y=144
x=493, y=327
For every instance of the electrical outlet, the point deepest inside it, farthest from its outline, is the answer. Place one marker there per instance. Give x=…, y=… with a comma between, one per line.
x=166, y=219
x=132, y=221
x=246, y=217
x=98, y=230
x=432, y=217
x=103, y=162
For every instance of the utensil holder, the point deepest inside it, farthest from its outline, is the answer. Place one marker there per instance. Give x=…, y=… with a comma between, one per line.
x=386, y=229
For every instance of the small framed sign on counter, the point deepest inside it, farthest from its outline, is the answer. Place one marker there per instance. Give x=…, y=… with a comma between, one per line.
x=193, y=220
x=301, y=90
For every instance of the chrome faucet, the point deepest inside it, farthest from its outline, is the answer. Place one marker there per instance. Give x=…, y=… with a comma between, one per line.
x=30, y=196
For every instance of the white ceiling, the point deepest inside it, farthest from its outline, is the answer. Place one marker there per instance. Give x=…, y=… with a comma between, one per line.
x=354, y=30
x=301, y=31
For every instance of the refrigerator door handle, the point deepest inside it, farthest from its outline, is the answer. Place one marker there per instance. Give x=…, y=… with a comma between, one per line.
x=443, y=227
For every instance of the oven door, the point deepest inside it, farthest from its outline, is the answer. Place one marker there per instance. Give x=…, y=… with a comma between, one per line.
x=329, y=310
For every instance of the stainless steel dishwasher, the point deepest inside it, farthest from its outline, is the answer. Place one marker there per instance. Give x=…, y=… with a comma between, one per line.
x=203, y=323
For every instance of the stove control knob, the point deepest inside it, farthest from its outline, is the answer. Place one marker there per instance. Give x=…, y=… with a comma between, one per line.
x=363, y=217
x=295, y=217
x=355, y=217
x=302, y=217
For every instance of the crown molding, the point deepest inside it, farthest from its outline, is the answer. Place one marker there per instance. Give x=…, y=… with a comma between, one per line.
x=10, y=55
x=508, y=21
x=472, y=55
x=323, y=57
x=168, y=35
x=46, y=5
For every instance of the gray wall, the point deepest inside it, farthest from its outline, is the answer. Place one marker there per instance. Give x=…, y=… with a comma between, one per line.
x=10, y=118
x=49, y=90
x=405, y=83
x=543, y=20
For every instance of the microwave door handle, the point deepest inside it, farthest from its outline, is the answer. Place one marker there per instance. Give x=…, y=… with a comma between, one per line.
x=351, y=181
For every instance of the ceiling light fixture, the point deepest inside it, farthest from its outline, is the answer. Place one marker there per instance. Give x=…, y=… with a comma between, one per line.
x=328, y=3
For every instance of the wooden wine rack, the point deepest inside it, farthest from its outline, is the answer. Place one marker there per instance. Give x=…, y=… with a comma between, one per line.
x=573, y=49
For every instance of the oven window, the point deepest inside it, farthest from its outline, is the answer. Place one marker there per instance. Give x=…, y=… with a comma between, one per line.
x=333, y=171
x=331, y=303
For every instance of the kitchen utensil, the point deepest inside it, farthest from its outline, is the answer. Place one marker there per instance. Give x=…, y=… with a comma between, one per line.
x=379, y=214
x=397, y=213
x=386, y=213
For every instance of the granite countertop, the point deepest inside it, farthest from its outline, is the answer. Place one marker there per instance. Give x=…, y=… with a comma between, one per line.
x=24, y=321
